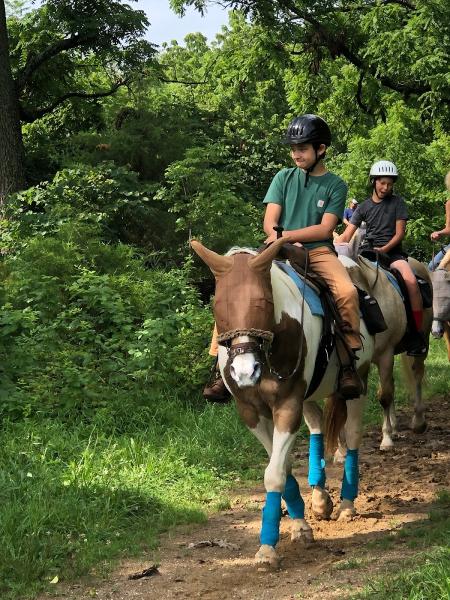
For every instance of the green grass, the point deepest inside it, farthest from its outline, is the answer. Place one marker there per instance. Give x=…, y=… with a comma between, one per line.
x=76, y=495
x=73, y=496
x=427, y=575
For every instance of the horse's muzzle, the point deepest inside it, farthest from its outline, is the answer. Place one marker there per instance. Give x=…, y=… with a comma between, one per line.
x=245, y=363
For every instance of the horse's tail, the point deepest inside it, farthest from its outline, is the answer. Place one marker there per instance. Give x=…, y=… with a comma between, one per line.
x=335, y=417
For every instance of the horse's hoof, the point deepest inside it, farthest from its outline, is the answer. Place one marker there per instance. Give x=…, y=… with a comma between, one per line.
x=346, y=511
x=386, y=445
x=301, y=531
x=267, y=555
x=419, y=427
x=321, y=504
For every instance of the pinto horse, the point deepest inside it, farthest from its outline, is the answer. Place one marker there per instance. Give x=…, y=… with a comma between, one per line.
x=269, y=341
x=441, y=284
x=387, y=344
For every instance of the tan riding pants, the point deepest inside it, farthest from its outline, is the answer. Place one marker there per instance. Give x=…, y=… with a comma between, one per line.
x=324, y=262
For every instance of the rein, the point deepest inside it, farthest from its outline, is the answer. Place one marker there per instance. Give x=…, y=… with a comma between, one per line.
x=300, y=350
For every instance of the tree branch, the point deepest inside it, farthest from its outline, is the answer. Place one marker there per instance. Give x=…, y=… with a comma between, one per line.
x=34, y=61
x=359, y=101
x=337, y=47
x=31, y=116
x=164, y=80
x=352, y=8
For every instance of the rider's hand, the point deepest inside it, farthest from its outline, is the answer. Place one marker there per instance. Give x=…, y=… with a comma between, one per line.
x=380, y=249
x=435, y=235
x=272, y=237
x=286, y=235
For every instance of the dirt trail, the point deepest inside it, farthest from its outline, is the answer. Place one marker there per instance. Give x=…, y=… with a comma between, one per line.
x=395, y=489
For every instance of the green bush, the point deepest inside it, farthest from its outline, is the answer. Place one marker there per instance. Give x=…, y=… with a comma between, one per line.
x=85, y=324
x=109, y=197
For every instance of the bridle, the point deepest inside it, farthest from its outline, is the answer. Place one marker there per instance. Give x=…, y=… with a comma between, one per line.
x=261, y=345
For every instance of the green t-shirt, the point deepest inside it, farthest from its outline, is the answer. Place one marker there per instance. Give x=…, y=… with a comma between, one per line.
x=303, y=207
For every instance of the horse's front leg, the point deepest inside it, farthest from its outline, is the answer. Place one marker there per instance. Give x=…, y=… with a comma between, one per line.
x=353, y=435
x=277, y=484
x=300, y=530
x=322, y=505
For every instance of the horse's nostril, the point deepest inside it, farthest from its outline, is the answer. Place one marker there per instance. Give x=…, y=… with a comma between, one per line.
x=257, y=370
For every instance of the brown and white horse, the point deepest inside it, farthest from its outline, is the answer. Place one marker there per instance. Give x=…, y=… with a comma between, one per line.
x=387, y=344
x=269, y=342
x=443, y=281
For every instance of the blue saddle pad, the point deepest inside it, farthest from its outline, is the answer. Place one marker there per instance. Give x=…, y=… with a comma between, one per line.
x=311, y=296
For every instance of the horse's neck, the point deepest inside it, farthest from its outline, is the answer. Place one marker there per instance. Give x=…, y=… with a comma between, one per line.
x=286, y=295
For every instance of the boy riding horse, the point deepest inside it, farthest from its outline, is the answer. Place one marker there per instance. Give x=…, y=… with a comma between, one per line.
x=308, y=201
x=385, y=215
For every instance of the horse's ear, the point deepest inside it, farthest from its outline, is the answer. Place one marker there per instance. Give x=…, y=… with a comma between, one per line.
x=218, y=264
x=262, y=261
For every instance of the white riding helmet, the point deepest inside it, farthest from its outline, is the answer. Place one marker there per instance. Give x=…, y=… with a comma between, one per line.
x=383, y=168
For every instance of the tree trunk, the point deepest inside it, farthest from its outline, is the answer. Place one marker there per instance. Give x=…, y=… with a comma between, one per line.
x=12, y=176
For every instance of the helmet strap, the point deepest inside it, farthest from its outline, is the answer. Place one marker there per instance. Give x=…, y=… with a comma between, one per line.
x=310, y=169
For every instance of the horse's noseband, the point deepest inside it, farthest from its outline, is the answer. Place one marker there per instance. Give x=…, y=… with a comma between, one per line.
x=257, y=348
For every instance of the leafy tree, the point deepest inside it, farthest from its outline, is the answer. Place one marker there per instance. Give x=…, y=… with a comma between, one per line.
x=402, y=45
x=63, y=51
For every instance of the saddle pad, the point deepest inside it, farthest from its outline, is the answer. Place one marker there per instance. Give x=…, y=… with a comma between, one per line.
x=311, y=296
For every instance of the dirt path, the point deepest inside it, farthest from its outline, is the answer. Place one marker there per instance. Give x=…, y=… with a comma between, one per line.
x=395, y=489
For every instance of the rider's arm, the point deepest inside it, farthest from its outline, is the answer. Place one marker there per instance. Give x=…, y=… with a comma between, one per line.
x=315, y=233
x=271, y=220
x=400, y=229
x=347, y=235
x=446, y=231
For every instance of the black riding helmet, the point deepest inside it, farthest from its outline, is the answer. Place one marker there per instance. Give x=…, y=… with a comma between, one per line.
x=308, y=129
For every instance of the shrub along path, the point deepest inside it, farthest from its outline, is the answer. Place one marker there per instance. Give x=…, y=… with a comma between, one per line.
x=398, y=527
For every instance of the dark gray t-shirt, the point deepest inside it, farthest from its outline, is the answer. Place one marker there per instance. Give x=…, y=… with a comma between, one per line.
x=380, y=218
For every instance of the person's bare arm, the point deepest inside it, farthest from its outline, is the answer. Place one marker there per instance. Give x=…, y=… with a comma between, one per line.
x=271, y=220
x=400, y=229
x=446, y=231
x=347, y=235
x=314, y=233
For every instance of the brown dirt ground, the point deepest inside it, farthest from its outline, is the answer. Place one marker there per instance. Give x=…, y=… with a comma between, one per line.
x=396, y=490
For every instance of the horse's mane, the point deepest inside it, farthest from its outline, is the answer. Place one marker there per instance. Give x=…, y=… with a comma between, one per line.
x=238, y=250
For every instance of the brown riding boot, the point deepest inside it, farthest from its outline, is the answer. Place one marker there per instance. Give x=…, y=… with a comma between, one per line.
x=350, y=385
x=215, y=390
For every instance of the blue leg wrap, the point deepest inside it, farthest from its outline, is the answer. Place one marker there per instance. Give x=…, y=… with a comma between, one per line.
x=349, y=489
x=316, y=475
x=293, y=499
x=271, y=515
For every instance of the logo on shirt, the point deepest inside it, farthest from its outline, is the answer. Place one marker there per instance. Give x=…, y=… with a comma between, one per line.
x=320, y=203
